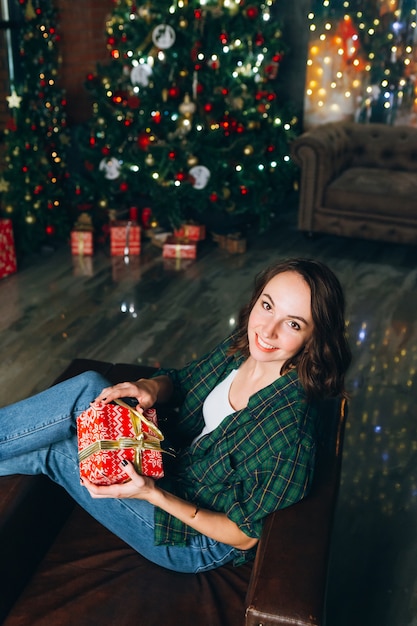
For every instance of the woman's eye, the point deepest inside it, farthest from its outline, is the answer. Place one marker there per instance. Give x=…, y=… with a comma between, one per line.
x=294, y=325
x=266, y=305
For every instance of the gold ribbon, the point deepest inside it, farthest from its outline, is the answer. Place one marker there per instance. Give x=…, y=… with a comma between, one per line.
x=141, y=441
x=80, y=243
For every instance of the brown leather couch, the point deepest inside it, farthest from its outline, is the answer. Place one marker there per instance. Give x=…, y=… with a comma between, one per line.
x=59, y=567
x=358, y=180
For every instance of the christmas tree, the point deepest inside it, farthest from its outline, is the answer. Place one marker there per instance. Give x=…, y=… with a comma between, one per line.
x=33, y=184
x=188, y=118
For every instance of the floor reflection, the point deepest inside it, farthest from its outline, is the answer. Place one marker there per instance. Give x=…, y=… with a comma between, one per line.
x=59, y=307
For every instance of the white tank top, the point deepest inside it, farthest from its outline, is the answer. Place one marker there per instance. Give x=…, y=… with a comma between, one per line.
x=217, y=406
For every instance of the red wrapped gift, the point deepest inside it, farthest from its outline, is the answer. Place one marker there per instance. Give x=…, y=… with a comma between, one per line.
x=175, y=248
x=195, y=232
x=109, y=433
x=124, y=238
x=8, y=263
x=82, y=243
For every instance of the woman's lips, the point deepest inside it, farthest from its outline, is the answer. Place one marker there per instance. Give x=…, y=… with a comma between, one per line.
x=262, y=345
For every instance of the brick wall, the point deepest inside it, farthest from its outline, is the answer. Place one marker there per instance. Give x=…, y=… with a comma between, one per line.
x=83, y=44
x=82, y=28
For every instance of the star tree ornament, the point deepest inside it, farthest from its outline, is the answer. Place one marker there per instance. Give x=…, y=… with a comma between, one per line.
x=14, y=100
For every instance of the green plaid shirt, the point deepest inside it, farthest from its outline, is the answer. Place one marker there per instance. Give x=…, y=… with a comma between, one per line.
x=259, y=459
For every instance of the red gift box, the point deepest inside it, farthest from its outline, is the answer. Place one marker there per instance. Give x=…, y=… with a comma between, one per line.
x=175, y=248
x=109, y=433
x=195, y=232
x=82, y=242
x=8, y=263
x=124, y=238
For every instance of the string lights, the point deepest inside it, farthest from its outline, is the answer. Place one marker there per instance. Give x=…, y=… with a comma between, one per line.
x=362, y=61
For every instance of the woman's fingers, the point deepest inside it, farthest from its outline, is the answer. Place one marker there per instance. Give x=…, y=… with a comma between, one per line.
x=138, y=486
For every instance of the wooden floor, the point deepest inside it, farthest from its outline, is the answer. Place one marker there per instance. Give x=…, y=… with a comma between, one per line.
x=58, y=308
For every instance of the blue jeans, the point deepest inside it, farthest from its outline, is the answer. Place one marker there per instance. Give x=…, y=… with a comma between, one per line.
x=38, y=436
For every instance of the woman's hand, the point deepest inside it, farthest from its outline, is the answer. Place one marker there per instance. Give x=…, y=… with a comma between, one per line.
x=144, y=390
x=147, y=391
x=140, y=487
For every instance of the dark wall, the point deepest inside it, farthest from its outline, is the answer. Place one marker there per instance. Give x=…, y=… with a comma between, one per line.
x=293, y=15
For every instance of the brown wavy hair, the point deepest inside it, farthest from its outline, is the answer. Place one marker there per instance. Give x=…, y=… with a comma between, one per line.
x=322, y=364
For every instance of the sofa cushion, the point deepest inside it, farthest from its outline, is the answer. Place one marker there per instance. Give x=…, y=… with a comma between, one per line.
x=89, y=576
x=378, y=191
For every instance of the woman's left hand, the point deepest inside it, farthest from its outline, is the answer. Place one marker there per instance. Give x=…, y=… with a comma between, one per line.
x=140, y=487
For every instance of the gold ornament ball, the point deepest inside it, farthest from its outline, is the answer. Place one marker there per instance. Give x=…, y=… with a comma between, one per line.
x=149, y=160
x=192, y=160
x=8, y=209
x=183, y=23
x=30, y=219
x=102, y=204
x=248, y=150
x=28, y=197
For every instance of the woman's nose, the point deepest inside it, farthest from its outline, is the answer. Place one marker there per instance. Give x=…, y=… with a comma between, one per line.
x=270, y=329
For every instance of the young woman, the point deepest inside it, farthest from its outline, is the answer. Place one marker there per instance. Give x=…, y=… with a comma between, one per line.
x=247, y=426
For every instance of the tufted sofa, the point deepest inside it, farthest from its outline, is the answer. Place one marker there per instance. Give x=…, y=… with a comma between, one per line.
x=358, y=180
x=59, y=567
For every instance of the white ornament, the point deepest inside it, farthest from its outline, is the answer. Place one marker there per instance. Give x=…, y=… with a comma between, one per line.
x=141, y=74
x=163, y=36
x=201, y=175
x=110, y=167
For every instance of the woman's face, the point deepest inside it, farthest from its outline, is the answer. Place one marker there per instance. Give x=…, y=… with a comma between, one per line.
x=280, y=323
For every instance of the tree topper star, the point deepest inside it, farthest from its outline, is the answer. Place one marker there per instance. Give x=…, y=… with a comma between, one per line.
x=14, y=100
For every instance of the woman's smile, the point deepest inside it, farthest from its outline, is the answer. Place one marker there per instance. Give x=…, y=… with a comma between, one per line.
x=262, y=345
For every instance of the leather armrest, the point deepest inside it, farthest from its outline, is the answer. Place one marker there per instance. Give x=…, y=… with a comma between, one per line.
x=288, y=582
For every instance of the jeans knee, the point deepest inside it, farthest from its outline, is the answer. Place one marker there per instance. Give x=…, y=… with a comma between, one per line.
x=93, y=380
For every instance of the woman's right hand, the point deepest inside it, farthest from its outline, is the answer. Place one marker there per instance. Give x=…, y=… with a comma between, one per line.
x=144, y=390
x=147, y=391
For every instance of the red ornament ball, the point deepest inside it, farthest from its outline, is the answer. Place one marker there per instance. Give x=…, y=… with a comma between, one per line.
x=259, y=39
x=252, y=12
x=174, y=91
x=50, y=230
x=143, y=141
